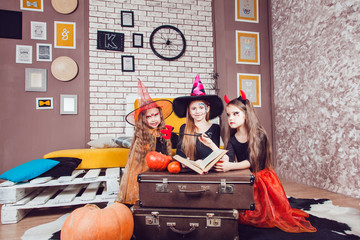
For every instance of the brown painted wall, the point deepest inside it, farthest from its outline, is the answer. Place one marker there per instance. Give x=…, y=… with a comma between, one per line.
x=27, y=133
x=225, y=54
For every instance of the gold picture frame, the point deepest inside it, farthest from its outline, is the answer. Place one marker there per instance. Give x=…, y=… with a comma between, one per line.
x=247, y=48
x=251, y=85
x=64, y=35
x=247, y=11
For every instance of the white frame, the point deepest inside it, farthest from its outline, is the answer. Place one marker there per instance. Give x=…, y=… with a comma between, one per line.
x=68, y=104
x=55, y=36
x=49, y=56
x=32, y=81
x=22, y=7
x=45, y=99
x=38, y=26
x=23, y=54
x=237, y=2
x=247, y=92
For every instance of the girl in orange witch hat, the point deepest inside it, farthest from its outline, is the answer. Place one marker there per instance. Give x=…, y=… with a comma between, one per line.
x=148, y=120
x=249, y=144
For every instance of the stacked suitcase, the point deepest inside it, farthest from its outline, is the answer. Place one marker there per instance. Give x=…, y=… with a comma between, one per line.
x=191, y=206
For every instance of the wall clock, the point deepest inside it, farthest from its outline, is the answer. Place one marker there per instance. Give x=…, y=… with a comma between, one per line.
x=167, y=42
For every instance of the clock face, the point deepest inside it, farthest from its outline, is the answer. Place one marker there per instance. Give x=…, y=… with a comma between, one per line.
x=167, y=42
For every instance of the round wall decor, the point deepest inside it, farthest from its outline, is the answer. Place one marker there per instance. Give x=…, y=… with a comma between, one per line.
x=64, y=68
x=167, y=42
x=64, y=6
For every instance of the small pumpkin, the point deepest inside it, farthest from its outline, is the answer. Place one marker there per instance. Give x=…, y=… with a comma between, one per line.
x=174, y=167
x=157, y=161
x=90, y=222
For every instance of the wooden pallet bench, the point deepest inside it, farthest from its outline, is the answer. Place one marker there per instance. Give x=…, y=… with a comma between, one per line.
x=83, y=187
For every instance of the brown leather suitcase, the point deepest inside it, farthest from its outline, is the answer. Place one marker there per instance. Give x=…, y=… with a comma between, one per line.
x=172, y=223
x=214, y=190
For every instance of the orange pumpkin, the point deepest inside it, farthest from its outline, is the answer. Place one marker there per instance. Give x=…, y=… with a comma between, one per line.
x=174, y=167
x=90, y=222
x=157, y=161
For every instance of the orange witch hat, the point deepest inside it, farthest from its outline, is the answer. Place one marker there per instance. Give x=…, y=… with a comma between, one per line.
x=146, y=102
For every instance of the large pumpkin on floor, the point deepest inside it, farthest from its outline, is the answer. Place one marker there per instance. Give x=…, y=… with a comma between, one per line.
x=157, y=161
x=90, y=222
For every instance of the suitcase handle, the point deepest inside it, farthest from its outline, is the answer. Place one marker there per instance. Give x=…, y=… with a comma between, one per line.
x=182, y=232
x=182, y=189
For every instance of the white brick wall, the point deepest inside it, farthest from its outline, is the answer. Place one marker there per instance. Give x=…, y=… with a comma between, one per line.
x=112, y=91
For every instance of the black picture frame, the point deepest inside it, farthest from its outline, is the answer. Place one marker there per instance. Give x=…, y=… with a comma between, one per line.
x=127, y=18
x=127, y=63
x=110, y=41
x=138, y=40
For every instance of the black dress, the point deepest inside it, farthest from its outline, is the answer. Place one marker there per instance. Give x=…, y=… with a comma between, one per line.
x=201, y=151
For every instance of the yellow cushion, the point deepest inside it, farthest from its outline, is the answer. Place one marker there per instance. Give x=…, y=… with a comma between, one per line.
x=95, y=157
x=172, y=120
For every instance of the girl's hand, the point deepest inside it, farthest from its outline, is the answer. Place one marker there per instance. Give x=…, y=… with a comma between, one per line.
x=204, y=139
x=223, y=165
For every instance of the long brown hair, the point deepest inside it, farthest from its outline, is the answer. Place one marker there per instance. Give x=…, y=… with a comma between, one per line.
x=188, y=145
x=144, y=140
x=257, y=136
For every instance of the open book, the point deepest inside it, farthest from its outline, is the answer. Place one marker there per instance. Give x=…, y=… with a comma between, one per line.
x=206, y=164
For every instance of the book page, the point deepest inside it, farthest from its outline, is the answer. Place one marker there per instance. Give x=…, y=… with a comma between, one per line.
x=212, y=157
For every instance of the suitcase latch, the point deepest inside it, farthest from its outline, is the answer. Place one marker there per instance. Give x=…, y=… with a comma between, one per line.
x=212, y=221
x=162, y=187
x=153, y=219
x=226, y=188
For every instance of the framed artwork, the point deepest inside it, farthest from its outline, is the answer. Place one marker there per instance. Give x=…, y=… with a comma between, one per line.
x=65, y=35
x=137, y=40
x=68, y=104
x=23, y=54
x=35, y=80
x=38, y=30
x=251, y=85
x=45, y=103
x=32, y=5
x=127, y=63
x=43, y=52
x=110, y=41
x=247, y=48
x=127, y=18
x=13, y=30
x=247, y=11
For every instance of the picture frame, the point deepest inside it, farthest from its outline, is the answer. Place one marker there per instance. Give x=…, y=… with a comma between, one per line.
x=68, y=104
x=35, y=80
x=43, y=52
x=251, y=85
x=110, y=41
x=13, y=30
x=138, y=40
x=127, y=18
x=65, y=35
x=45, y=103
x=247, y=11
x=24, y=54
x=247, y=48
x=32, y=5
x=127, y=63
x=38, y=30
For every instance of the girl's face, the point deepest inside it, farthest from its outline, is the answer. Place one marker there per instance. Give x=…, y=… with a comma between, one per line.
x=236, y=116
x=153, y=117
x=198, y=110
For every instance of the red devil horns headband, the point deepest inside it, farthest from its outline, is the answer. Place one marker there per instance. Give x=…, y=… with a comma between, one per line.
x=241, y=98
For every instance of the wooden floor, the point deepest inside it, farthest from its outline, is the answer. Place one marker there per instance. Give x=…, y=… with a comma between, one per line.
x=37, y=217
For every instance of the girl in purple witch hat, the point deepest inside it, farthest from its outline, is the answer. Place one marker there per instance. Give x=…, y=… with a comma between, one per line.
x=198, y=108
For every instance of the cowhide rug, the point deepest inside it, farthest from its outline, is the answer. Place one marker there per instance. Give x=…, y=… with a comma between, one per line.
x=332, y=222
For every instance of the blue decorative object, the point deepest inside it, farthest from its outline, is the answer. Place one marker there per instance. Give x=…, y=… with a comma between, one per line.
x=29, y=170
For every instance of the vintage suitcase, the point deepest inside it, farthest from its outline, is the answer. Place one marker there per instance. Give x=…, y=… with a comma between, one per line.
x=214, y=190
x=173, y=223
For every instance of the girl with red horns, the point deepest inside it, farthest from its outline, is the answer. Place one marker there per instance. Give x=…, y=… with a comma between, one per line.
x=249, y=147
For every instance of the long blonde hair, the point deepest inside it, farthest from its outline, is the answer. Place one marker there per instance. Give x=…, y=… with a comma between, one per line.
x=188, y=145
x=257, y=136
x=144, y=137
